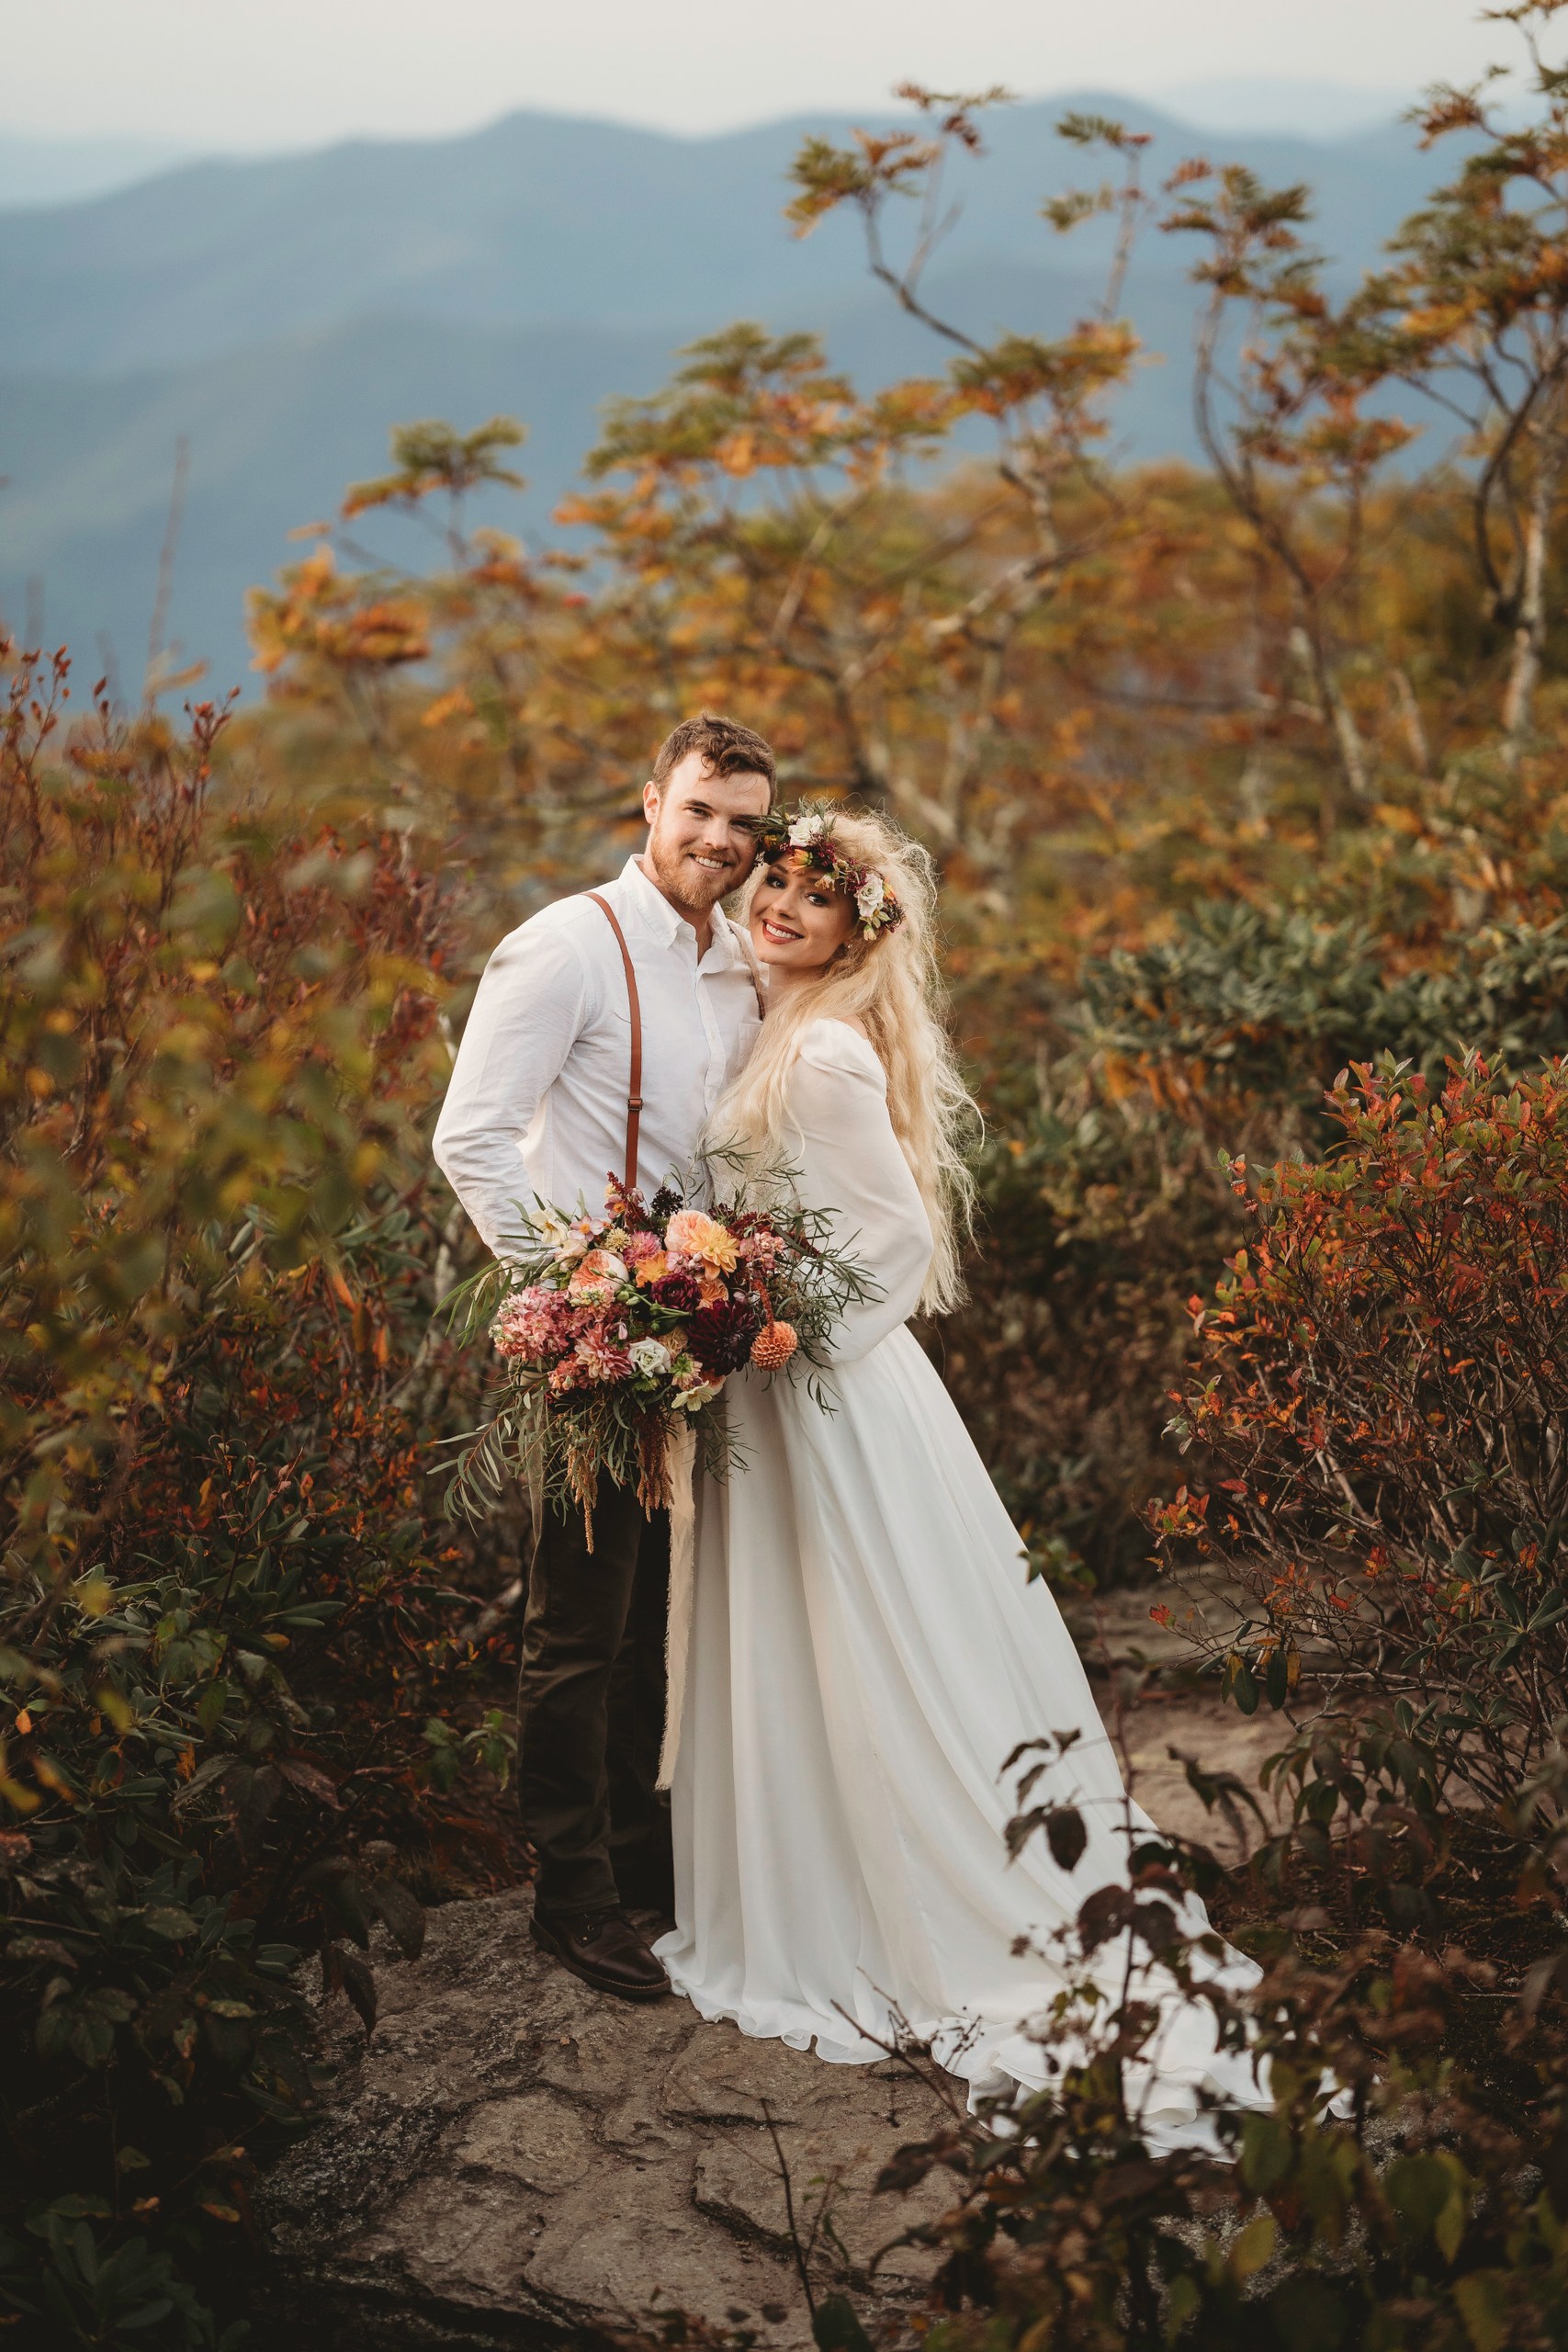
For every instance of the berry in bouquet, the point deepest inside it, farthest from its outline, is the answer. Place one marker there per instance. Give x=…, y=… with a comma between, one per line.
x=616, y=1333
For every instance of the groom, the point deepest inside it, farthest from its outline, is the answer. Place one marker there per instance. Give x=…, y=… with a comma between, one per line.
x=537, y=1104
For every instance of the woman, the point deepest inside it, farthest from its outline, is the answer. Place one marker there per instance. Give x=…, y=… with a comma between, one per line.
x=865, y=1648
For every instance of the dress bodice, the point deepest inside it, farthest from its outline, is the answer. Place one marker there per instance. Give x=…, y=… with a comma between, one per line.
x=851, y=1165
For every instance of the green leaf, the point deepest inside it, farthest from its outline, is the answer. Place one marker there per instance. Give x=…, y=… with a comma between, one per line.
x=1418, y=2187
x=1308, y=2317
x=1483, y=2300
x=1266, y=2153
x=167, y=1919
x=1255, y=2247
x=1182, y=2300
x=209, y=1707
x=837, y=2328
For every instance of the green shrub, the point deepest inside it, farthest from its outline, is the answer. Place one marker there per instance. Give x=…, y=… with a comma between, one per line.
x=225, y=1620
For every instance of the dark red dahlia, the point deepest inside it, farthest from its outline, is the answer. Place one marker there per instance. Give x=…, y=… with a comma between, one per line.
x=666, y=1200
x=682, y=1291
x=720, y=1336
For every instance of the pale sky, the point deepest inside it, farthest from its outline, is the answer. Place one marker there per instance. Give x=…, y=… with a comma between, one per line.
x=261, y=74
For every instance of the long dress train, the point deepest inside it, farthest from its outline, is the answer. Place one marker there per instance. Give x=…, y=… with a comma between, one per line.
x=865, y=1649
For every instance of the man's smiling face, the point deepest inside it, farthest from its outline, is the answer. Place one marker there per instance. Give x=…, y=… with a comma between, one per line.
x=701, y=845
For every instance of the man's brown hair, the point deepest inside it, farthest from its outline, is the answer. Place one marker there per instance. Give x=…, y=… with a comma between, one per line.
x=727, y=748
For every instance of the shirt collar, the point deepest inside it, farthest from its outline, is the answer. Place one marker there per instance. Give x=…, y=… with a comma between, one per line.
x=656, y=913
x=653, y=908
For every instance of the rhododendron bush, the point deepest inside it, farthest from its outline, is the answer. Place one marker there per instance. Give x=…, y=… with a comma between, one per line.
x=229, y=1736
x=1375, y=1445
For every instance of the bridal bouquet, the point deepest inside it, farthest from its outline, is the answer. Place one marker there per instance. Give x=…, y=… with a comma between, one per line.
x=615, y=1332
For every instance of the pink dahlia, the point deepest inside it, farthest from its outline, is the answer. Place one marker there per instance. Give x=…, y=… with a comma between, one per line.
x=603, y=1354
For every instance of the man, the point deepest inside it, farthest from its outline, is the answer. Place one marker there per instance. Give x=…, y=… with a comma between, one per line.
x=537, y=1105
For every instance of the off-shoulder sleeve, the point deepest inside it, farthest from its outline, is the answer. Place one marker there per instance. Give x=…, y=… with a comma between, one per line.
x=853, y=1167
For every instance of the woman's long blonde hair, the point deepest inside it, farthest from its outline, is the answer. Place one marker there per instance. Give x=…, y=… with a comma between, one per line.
x=892, y=985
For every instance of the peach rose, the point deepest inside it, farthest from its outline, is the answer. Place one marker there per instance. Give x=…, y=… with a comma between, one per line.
x=597, y=1278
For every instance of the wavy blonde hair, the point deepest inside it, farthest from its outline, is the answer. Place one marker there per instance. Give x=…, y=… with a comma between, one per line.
x=892, y=985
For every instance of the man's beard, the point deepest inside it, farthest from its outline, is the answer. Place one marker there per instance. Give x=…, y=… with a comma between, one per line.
x=690, y=885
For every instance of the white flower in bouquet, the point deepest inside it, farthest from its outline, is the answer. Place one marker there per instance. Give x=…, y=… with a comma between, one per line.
x=565, y=1237
x=650, y=1356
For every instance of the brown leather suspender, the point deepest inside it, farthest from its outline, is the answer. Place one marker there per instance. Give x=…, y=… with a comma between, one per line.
x=633, y=1089
x=633, y=1086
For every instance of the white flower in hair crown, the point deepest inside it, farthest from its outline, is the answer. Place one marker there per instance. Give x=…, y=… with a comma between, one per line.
x=810, y=835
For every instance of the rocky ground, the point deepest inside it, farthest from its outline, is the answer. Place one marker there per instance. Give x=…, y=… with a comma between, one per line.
x=514, y=2160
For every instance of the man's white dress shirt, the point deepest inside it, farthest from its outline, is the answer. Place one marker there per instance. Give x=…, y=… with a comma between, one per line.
x=537, y=1101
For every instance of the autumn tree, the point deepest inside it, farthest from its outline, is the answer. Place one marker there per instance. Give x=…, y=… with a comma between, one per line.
x=1281, y=381
x=1476, y=306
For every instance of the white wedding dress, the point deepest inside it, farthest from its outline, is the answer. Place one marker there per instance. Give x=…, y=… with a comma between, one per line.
x=865, y=1649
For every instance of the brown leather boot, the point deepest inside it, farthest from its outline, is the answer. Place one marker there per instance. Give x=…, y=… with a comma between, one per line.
x=605, y=1950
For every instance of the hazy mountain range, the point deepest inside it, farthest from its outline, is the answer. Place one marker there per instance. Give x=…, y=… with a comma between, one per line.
x=281, y=313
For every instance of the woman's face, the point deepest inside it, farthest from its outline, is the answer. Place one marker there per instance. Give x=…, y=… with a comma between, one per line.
x=798, y=922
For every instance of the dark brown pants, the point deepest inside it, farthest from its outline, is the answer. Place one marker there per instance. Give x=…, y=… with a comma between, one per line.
x=590, y=1707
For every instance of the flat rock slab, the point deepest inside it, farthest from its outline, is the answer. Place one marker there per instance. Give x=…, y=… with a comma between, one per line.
x=516, y=2160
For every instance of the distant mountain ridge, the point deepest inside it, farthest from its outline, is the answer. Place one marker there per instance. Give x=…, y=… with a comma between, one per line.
x=283, y=313
x=65, y=171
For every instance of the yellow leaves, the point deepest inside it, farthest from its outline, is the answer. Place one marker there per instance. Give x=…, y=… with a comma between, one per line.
x=458, y=704
x=20, y=1799
x=577, y=509
x=318, y=615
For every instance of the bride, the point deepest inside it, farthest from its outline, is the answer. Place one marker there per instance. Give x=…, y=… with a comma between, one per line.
x=865, y=1648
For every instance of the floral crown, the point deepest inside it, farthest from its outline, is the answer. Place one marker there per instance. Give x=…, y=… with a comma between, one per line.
x=809, y=834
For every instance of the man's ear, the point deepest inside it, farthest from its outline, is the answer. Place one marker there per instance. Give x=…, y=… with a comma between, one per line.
x=650, y=798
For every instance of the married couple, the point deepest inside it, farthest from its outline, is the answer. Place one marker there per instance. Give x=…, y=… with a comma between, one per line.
x=864, y=1646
